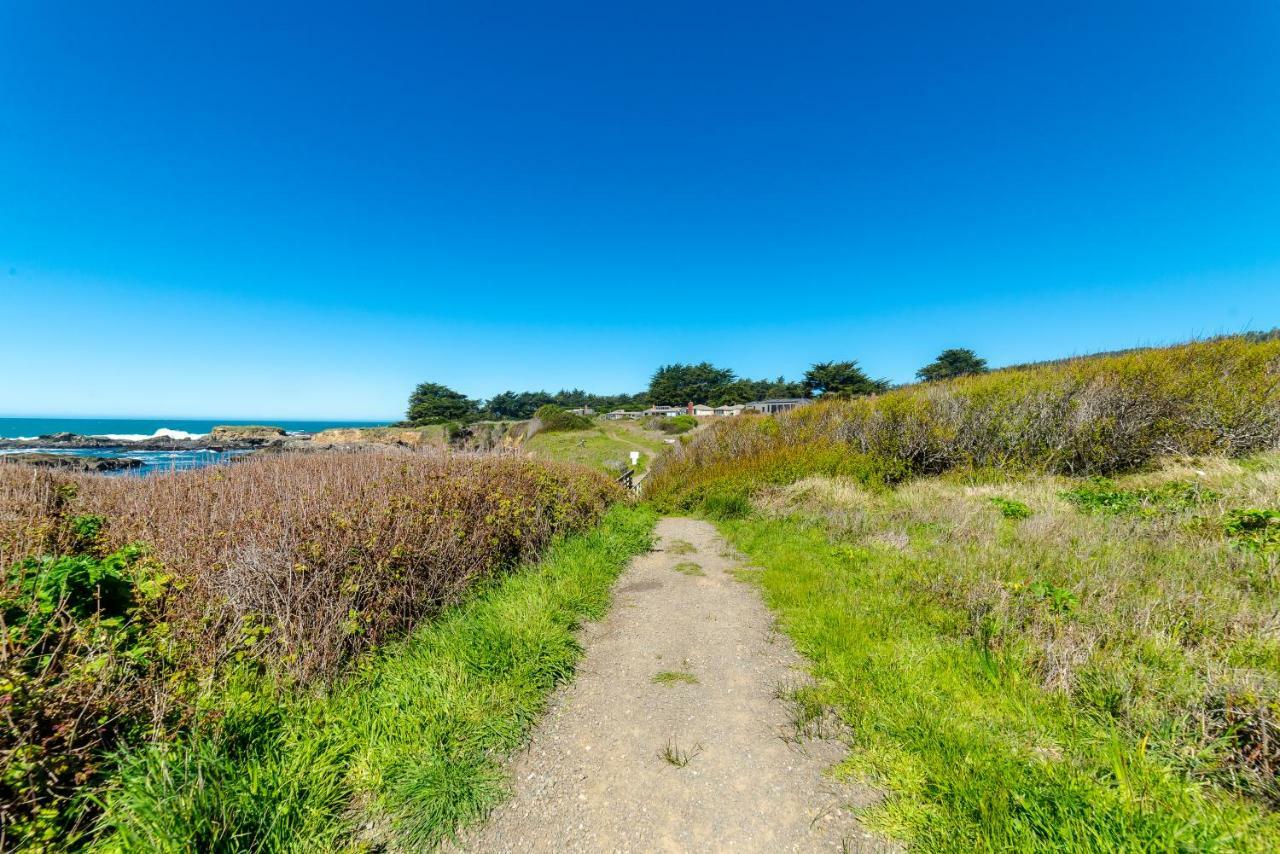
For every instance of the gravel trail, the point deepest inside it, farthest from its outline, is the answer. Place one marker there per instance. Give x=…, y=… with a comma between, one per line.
x=603, y=769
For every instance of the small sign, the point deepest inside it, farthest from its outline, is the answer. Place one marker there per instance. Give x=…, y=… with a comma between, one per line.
x=635, y=458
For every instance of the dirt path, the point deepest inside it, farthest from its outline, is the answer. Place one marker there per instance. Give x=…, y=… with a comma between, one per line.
x=602, y=772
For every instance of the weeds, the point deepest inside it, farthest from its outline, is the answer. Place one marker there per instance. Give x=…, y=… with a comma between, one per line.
x=677, y=756
x=681, y=547
x=1254, y=530
x=672, y=677
x=688, y=567
x=1100, y=495
x=1010, y=508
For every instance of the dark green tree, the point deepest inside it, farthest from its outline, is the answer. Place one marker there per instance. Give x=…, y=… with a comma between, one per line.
x=432, y=403
x=957, y=362
x=678, y=384
x=841, y=379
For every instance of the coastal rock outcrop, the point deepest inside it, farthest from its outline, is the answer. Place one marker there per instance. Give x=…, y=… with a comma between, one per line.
x=70, y=462
x=244, y=433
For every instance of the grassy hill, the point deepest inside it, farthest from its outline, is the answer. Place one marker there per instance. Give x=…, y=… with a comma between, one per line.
x=1042, y=602
x=605, y=446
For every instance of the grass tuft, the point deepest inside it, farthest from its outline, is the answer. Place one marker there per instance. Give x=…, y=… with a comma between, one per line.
x=681, y=547
x=673, y=754
x=688, y=567
x=672, y=677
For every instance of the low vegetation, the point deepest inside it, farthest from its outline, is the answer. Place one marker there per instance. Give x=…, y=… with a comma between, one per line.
x=1083, y=417
x=1064, y=678
x=133, y=607
x=1041, y=601
x=606, y=446
x=553, y=419
x=403, y=752
x=674, y=677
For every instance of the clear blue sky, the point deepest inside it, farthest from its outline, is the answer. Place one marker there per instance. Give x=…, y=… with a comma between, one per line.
x=302, y=209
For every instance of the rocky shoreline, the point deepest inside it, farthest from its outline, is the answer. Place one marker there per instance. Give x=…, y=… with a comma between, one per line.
x=74, y=463
x=219, y=439
x=246, y=441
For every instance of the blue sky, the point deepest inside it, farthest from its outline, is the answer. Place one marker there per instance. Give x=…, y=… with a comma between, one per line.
x=224, y=209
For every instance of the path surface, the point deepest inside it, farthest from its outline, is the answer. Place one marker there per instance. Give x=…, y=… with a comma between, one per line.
x=594, y=778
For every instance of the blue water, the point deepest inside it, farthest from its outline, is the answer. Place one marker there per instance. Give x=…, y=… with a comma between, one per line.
x=152, y=461
x=14, y=428
x=136, y=428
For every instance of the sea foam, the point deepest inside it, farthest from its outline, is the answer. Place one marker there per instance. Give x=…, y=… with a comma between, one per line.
x=162, y=433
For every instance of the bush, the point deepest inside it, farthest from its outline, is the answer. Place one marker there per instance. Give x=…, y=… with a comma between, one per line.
x=285, y=565
x=1010, y=508
x=78, y=644
x=554, y=418
x=676, y=424
x=1091, y=416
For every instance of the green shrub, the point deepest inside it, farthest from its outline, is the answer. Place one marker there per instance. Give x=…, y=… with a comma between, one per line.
x=677, y=424
x=1101, y=495
x=725, y=503
x=1254, y=530
x=78, y=645
x=554, y=418
x=1011, y=509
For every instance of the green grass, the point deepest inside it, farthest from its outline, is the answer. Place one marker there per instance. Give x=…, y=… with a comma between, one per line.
x=675, y=755
x=606, y=446
x=688, y=567
x=673, y=677
x=1079, y=681
x=401, y=753
x=681, y=547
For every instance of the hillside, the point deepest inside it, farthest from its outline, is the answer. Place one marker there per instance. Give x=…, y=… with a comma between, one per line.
x=605, y=446
x=1041, y=602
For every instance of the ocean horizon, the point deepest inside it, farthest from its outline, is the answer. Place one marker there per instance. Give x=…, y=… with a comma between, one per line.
x=132, y=429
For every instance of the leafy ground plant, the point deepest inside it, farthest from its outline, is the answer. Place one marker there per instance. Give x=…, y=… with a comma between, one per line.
x=1011, y=508
x=1255, y=530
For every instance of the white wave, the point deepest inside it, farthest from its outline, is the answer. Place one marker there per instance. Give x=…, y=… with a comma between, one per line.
x=162, y=433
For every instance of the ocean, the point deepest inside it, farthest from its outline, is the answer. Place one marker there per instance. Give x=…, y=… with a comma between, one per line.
x=131, y=429
x=143, y=428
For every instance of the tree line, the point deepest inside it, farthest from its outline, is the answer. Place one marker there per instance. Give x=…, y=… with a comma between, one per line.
x=675, y=385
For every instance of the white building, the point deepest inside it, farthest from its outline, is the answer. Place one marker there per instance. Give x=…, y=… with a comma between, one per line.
x=722, y=411
x=777, y=404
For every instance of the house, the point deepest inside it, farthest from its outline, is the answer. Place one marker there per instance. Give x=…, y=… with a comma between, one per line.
x=619, y=414
x=701, y=410
x=777, y=404
x=582, y=410
x=666, y=411
x=722, y=411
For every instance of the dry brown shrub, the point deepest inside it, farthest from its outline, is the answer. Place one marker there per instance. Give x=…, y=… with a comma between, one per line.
x=311, y=558
x=293, y=563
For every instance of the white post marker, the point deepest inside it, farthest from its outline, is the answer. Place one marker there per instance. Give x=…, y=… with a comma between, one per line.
x=635, y=458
